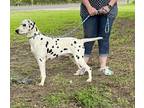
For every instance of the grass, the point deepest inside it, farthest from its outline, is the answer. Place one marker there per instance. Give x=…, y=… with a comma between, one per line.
x=93, y=97
x=49, y=22
x=126, y=11
x=56, y=22
x=62, y=90
x=55, y=99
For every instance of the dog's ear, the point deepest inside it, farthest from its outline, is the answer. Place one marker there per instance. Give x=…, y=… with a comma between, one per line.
x=33, y=25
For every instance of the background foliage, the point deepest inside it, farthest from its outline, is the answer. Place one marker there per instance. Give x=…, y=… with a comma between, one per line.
x=44, y=2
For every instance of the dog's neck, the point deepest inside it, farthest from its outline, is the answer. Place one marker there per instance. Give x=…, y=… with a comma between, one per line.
x=33, y=33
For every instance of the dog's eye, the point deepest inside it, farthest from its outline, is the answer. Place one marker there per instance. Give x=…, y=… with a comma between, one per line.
x=24, y=25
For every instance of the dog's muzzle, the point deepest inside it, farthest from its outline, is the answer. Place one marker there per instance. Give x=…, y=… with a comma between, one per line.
x=17, y=31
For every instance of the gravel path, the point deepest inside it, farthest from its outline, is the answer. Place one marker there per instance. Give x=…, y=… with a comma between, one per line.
x=46, y=7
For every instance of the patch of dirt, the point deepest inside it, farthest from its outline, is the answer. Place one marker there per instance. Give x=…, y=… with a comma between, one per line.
x=60, y=73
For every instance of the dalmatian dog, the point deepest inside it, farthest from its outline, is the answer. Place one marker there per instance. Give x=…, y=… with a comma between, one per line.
x=47, y=48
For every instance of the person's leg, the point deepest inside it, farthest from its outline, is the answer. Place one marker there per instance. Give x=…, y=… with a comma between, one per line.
x=90, y=31
x=104, y=29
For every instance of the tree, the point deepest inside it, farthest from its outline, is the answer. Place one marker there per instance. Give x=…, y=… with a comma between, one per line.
x=32, y=2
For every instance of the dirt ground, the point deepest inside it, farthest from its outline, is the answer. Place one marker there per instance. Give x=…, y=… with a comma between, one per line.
x=60, y=73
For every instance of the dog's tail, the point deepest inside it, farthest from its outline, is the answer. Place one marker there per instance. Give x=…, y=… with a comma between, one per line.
x=91, y=39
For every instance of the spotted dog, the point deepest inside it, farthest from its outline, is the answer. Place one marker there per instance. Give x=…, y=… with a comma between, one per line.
x=44, y=48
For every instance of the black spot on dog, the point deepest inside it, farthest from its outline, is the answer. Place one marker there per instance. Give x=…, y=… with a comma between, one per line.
x=77, y=56
x=57, y=46
x=65, y=49
x=61, y=51
x=57, y=55
x=82, y=56
x=35, y=34
x=46, y=44
x=52, y=46
x=79, y=46
x=33, y=24
x=47, y=50
x=71, y=44
x=54, y=55
x=78, y=50
x=40, y=60
x=57, y=39
x=75, y=42
x=41, y=38
x=50, y=51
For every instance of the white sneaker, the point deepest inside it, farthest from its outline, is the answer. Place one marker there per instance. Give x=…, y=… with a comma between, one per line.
x=106, y=71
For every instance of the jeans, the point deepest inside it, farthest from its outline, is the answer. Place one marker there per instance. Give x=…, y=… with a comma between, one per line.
x=98, y=26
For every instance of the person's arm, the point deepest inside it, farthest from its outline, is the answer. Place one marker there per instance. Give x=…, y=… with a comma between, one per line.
x=107, y=8
x=91, y=10
x=112, y=2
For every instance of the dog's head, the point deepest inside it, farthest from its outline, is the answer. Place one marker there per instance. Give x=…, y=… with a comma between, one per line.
x=26, y=27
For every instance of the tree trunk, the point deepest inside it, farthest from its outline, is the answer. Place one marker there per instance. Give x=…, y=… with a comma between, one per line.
x=32, y=2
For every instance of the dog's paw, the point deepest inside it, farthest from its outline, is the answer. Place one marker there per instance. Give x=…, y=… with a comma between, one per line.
x=80, y=72
x=76, y=74
x=89, y=80
x=41, y=84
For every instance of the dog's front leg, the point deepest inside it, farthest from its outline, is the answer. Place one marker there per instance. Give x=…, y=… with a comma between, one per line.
x=41, y=63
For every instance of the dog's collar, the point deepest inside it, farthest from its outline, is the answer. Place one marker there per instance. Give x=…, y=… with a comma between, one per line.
x=35, y=34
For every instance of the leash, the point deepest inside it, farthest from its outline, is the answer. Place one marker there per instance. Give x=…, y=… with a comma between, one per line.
x=77, y=27
x=107, y=27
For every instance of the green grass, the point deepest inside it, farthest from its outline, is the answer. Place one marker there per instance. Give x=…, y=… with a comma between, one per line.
x=56, y=22
x=126, y=11
x=93, y=97
x=48, y=22
x=55, y=99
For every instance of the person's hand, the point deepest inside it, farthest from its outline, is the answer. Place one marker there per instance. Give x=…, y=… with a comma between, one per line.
x=104, y=10
x=92, y=11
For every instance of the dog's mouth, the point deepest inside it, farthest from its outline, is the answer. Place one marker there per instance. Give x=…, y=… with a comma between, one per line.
x=20, y=33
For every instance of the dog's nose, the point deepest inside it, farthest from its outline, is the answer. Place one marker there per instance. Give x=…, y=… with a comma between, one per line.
x=17, y=31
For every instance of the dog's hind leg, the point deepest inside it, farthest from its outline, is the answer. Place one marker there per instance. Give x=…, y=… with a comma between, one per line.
x=79, y=67
x=83, y=64
x=41, y=63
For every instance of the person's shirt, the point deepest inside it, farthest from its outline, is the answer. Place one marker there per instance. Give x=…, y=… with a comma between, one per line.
x=99, y=4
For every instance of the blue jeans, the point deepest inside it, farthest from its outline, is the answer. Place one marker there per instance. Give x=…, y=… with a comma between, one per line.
x=98, y=26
